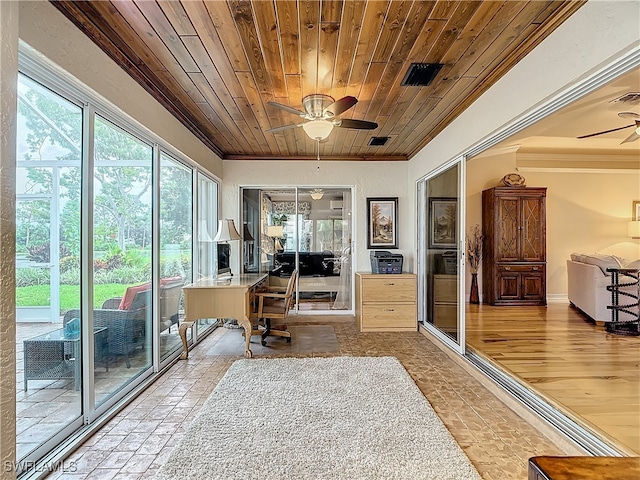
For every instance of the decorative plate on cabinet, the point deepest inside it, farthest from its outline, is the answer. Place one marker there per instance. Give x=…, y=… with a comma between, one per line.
x=513, y=180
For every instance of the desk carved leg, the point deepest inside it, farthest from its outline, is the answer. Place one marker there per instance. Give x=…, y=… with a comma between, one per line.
x=246, y=324
x=182, y=331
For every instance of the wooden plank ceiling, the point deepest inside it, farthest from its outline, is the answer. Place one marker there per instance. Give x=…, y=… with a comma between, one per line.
x=216, y=64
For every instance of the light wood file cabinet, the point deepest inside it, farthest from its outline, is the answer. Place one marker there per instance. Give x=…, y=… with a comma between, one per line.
x=445, y=301
x=386, y=302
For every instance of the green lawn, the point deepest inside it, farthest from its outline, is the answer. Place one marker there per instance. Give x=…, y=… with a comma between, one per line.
x=38, y=295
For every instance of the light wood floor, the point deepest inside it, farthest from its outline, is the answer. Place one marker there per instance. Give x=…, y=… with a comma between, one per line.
x=579, y=367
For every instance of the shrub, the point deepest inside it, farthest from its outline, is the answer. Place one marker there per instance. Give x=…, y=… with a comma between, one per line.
x=70, y=276
x=124, y=275
x=42, y=253
x=69, y=263
x=32, y=276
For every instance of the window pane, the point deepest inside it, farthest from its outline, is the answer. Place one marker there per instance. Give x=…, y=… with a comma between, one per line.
x=207, y=227
x=175, y=247
x=48, y=154
x=122, y=254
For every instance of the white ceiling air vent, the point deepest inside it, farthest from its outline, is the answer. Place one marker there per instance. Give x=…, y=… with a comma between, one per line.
x=632, y=98
x=335, y=204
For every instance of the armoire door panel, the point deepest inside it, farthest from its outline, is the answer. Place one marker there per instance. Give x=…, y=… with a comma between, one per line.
x=509, y=286
x=532, y=247
x=532, y=286
x=508, y=240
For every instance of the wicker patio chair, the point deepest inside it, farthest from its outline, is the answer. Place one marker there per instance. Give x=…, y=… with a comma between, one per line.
x=126, y=327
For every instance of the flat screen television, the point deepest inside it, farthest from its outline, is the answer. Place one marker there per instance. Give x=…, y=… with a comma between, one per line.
x=224, y=267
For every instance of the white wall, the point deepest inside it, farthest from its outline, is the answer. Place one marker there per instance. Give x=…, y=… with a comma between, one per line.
x=377, y=179
x=44, y=28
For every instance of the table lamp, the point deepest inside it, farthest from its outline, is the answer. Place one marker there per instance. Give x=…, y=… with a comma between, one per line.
x=226, y=232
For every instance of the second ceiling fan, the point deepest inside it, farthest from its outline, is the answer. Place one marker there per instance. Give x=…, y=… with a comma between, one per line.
x=321, y=113
x=635, y=135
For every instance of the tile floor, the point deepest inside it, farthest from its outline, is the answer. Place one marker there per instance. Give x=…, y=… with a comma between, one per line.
x=135, y=443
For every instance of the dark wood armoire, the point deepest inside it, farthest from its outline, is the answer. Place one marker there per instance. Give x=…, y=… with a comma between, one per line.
x=514, y=270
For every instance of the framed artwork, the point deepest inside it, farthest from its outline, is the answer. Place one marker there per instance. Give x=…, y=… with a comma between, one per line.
x=443, y=222
x=635, y=215
x=382, y=224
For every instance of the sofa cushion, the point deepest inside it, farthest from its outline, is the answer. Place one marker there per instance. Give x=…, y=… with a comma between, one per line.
x=130, y=294
x=635, y=264
x=601, y=261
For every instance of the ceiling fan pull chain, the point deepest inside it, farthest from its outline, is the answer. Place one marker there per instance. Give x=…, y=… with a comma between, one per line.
x=318, y=167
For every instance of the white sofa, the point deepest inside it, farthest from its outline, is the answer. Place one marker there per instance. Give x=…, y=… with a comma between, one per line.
x=587, y=284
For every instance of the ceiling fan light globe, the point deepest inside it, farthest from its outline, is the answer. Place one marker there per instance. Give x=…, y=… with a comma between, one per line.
x=317, y=194
x=318, y=129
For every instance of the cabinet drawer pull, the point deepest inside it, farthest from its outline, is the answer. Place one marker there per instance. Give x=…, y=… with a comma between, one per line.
x=389, y=284
x=507, y=268
x=535, y=268
x=388, y=310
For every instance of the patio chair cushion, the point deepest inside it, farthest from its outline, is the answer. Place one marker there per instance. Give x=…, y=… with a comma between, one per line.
x=130, y=294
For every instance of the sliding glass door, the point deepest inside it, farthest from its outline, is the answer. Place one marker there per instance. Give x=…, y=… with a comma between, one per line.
x=304, y=228
x=48, y=357
x=440, y=253
x=106, y=237
x=122, y=178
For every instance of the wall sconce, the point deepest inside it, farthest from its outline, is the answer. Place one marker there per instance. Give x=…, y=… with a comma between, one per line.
x=633, y=229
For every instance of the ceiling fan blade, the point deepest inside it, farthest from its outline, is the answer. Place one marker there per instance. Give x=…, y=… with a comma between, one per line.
x=287, y=108
x=634, y=136
x=605, y=131
x=284, y=127
x=341, y=105
x=359, y=124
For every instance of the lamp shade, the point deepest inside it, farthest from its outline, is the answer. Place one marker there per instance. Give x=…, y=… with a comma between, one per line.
x=633, y=229
x=275, y=231
x=203, y=232
x=318, y=129
x=226, y=231
x=246, y=234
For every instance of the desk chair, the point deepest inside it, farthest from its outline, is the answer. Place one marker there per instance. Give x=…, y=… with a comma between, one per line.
x=275, y=306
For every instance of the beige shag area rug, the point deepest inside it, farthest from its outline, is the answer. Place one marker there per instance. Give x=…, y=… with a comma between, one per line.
x=317, y=418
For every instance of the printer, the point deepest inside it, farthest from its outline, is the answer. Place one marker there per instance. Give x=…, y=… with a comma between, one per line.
x=385, y=262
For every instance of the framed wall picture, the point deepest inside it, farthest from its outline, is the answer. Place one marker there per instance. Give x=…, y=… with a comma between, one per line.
x=443, y=222
x=382, y=223
x=635, y=215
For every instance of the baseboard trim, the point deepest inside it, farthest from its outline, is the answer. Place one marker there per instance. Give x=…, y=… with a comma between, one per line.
x=558, y=298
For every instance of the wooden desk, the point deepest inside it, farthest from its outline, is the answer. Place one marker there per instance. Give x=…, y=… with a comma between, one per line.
x=584, y=468
x=233, y=298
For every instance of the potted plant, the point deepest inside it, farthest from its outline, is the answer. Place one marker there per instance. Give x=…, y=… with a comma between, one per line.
x=474, y=255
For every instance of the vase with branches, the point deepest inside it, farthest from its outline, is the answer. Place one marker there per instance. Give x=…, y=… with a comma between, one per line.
x=474, y=255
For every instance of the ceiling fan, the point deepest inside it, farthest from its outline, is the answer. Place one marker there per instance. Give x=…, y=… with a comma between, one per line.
x=634, y=136
x=322, y=113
